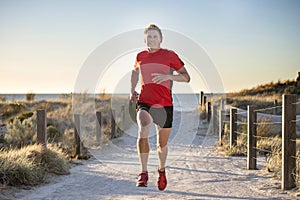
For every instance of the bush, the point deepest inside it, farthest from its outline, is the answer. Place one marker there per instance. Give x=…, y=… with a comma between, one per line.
x=53, y=134
x=25, y=115
x=30, y=164
x=12, y=109
x=2, y=98
x=21, y=133
x=21, y=117
x=290, y=90
x=30, y=96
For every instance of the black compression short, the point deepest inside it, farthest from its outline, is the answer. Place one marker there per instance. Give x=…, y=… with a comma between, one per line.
x=161, y=116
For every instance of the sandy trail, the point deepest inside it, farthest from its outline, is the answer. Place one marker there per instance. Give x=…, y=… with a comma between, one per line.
x=194, y=171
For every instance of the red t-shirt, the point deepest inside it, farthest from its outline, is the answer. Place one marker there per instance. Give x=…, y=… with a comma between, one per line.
x=162, y=61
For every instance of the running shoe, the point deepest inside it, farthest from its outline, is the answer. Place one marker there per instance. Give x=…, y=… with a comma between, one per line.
x=142, y=180
x=162, y=180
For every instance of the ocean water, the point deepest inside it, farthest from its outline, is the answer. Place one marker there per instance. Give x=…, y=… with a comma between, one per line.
x=22, y=97
x=185, y=102
x=182, y=102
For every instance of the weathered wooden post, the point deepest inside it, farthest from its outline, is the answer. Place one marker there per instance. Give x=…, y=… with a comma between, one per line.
x=221, y=126
x=288, y=141
x=208, y=111
x=113, y=124
x=215, y=119
x=78, y=145
x=41, y=127
x=233, y=127
x=201, y=98
x=98, y=127
x=123, y=114
x=251, y=151
x=275, y=107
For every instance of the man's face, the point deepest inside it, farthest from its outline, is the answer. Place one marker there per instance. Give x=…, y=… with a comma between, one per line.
x=153, y=39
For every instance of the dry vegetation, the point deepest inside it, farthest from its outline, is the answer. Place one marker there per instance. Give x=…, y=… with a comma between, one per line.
x=269, y=142
x=30, y=164
x=22, y=162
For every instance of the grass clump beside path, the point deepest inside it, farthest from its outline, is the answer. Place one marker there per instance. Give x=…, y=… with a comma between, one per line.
x=29, y=165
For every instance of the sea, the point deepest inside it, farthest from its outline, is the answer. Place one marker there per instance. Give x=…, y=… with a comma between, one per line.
x=182, y=102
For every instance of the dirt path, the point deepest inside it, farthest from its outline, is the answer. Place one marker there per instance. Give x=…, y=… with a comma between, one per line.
x=194, y=171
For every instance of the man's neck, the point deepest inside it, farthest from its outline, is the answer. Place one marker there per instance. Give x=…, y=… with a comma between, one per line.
x=153, y=50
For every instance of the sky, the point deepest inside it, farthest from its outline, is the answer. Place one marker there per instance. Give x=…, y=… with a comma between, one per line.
x=44, y=44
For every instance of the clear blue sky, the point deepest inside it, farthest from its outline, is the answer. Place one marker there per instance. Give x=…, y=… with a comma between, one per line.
x=43, y=44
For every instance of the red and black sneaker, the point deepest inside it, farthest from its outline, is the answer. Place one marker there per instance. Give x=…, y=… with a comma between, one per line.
x=142, y=180
x=162, y=180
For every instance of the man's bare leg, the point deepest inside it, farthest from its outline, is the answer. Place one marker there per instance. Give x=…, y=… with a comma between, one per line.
x=144, y=120
x=162, y=151
x=163, y=135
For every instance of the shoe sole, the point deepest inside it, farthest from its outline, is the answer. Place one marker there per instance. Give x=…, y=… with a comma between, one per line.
x=161, y=189
x=141, y=185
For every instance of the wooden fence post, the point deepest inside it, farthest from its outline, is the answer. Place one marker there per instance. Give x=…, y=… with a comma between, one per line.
x=123, y=116
x=41, y=127
x=214, y=118
x=98, y=127
x=275, y=105
x=251, y=152
x=201, y=98
x=221, y=126
x=113, y=123
x=208, y=111
x=233, y=127
x=78, y=145
x=288, y=141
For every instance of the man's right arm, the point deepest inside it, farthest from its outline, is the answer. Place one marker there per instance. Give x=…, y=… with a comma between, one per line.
x=134, y=80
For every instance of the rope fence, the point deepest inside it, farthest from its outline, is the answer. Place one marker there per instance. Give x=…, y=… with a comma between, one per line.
x=80, y=149
x=288, y=124
x=270, y=108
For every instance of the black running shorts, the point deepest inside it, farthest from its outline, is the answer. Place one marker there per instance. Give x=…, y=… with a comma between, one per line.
x=161, y=116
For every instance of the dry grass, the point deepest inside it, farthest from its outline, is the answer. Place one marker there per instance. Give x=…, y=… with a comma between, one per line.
x=60, y=120
x=30, y=164
x=269, y=143
x=270, y=147
x=24, y=163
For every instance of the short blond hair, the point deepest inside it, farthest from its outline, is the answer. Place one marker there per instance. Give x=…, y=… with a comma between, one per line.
x=153, y=27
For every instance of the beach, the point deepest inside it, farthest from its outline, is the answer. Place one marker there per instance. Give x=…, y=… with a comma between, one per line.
x=194, y=171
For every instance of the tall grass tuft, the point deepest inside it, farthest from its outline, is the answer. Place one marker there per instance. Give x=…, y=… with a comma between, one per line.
x=21, y=132
x=30, y=164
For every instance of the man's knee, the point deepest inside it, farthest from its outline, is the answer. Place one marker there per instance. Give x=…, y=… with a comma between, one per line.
x=162, y=147
x=144, y=132
x=144, y=119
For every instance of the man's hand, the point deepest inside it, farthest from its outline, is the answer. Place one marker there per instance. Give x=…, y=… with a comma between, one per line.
x=134, y=96
x=159, y=78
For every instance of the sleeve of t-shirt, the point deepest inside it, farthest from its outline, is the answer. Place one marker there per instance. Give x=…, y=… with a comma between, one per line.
x=176, y=62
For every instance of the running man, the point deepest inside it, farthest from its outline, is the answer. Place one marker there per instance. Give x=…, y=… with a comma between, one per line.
x=155, y=67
